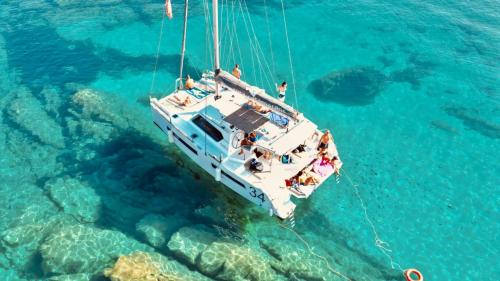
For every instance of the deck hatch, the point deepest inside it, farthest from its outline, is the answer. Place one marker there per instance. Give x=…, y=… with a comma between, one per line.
x=208, y=128
x=246, y=119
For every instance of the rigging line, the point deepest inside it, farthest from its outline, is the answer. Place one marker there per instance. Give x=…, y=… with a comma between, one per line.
x=289, y=55
x=255, y=46
x=250, y=43
x=314, y=254
x=237, y=40
x=259, y=52
x=233, y=32
x=383, y=246
x=229, y=36
x=157, y=54
x=273, y=62
x=208, y=33
x=259, y=48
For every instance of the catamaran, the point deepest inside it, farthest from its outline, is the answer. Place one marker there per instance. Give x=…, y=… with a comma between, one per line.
x=255, y=144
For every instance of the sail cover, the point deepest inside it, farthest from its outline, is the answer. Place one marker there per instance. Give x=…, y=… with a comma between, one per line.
x=236, y=84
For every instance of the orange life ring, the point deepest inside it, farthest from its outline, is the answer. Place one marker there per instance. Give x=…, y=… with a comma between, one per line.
x=410, y=272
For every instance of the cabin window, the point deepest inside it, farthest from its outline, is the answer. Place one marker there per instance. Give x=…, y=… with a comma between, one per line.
x=208, y=128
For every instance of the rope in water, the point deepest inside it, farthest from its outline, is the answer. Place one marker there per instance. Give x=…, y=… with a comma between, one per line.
x=157, y=54
x=289, y=55
x=383, y=246
x=314, y=254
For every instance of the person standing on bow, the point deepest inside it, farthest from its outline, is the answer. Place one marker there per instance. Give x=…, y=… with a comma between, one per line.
x=237, y=71
x=282, y=91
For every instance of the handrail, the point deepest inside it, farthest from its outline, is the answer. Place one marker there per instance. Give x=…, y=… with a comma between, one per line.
x=160, y=107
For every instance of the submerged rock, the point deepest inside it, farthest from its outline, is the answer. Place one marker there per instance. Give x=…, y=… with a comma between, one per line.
x=10, y=275
x=75, y=198
x=141, y=266
x=157, y=229
x=27, y=112
x=20, y=243
x=84, y=249
x=354, y=86
x=72, y=277
x=189, y=242
x=291, y=259
x=473, y=120
x=227, y=261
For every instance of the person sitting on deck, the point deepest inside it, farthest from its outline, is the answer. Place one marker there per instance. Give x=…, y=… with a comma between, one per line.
x=334, y=162
x=237, y=71
x=189, y=83
x=257, y=107
x=249, y=140
x=266, y=154
x=282, y=91
x=304, y=178
x=323, y=142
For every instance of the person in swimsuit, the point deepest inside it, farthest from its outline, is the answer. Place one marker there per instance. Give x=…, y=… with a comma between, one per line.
x=305, y=178
x=336, y=164
x=323, y=142
x=237, y=71
x=282, y=91
x=249, y=140
x=257, y=107
x=189, y=83
x=180, y=102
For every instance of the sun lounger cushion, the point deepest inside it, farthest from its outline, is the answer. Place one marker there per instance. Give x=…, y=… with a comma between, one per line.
x=278, y=119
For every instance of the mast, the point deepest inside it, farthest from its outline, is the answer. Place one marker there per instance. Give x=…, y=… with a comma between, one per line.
x=215, y=12
x=183, y=49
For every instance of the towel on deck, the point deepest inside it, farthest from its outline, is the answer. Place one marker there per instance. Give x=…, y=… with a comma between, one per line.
x=278, y=119
x=322, y=168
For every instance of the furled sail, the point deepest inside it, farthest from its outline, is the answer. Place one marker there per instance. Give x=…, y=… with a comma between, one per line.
x=168, y=9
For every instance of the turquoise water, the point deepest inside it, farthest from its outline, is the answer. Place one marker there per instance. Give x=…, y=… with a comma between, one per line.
x=410, y=90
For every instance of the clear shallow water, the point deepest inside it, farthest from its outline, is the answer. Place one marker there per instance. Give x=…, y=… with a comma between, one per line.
x=415, y=113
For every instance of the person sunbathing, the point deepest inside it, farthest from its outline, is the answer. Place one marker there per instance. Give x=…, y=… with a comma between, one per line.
x=257, y=107
x=185, y=102
x=304, y=178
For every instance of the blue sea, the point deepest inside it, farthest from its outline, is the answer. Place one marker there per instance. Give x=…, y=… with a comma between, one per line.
x=90, y=188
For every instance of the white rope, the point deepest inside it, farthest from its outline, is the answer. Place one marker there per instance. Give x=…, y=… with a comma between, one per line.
x=255, y=45
x=250, y=43
x=157, y=54
x=269, y=39
x=383, y=246
x=314, y=254
x=259, y=53
x=237, y=40
x=289, y=55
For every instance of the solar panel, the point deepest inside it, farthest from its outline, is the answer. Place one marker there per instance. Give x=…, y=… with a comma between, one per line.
x=246, y=119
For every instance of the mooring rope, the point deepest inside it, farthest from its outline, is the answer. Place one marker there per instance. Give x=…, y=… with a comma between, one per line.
x=314, y=254
x=383, y=246
x=157, y=54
